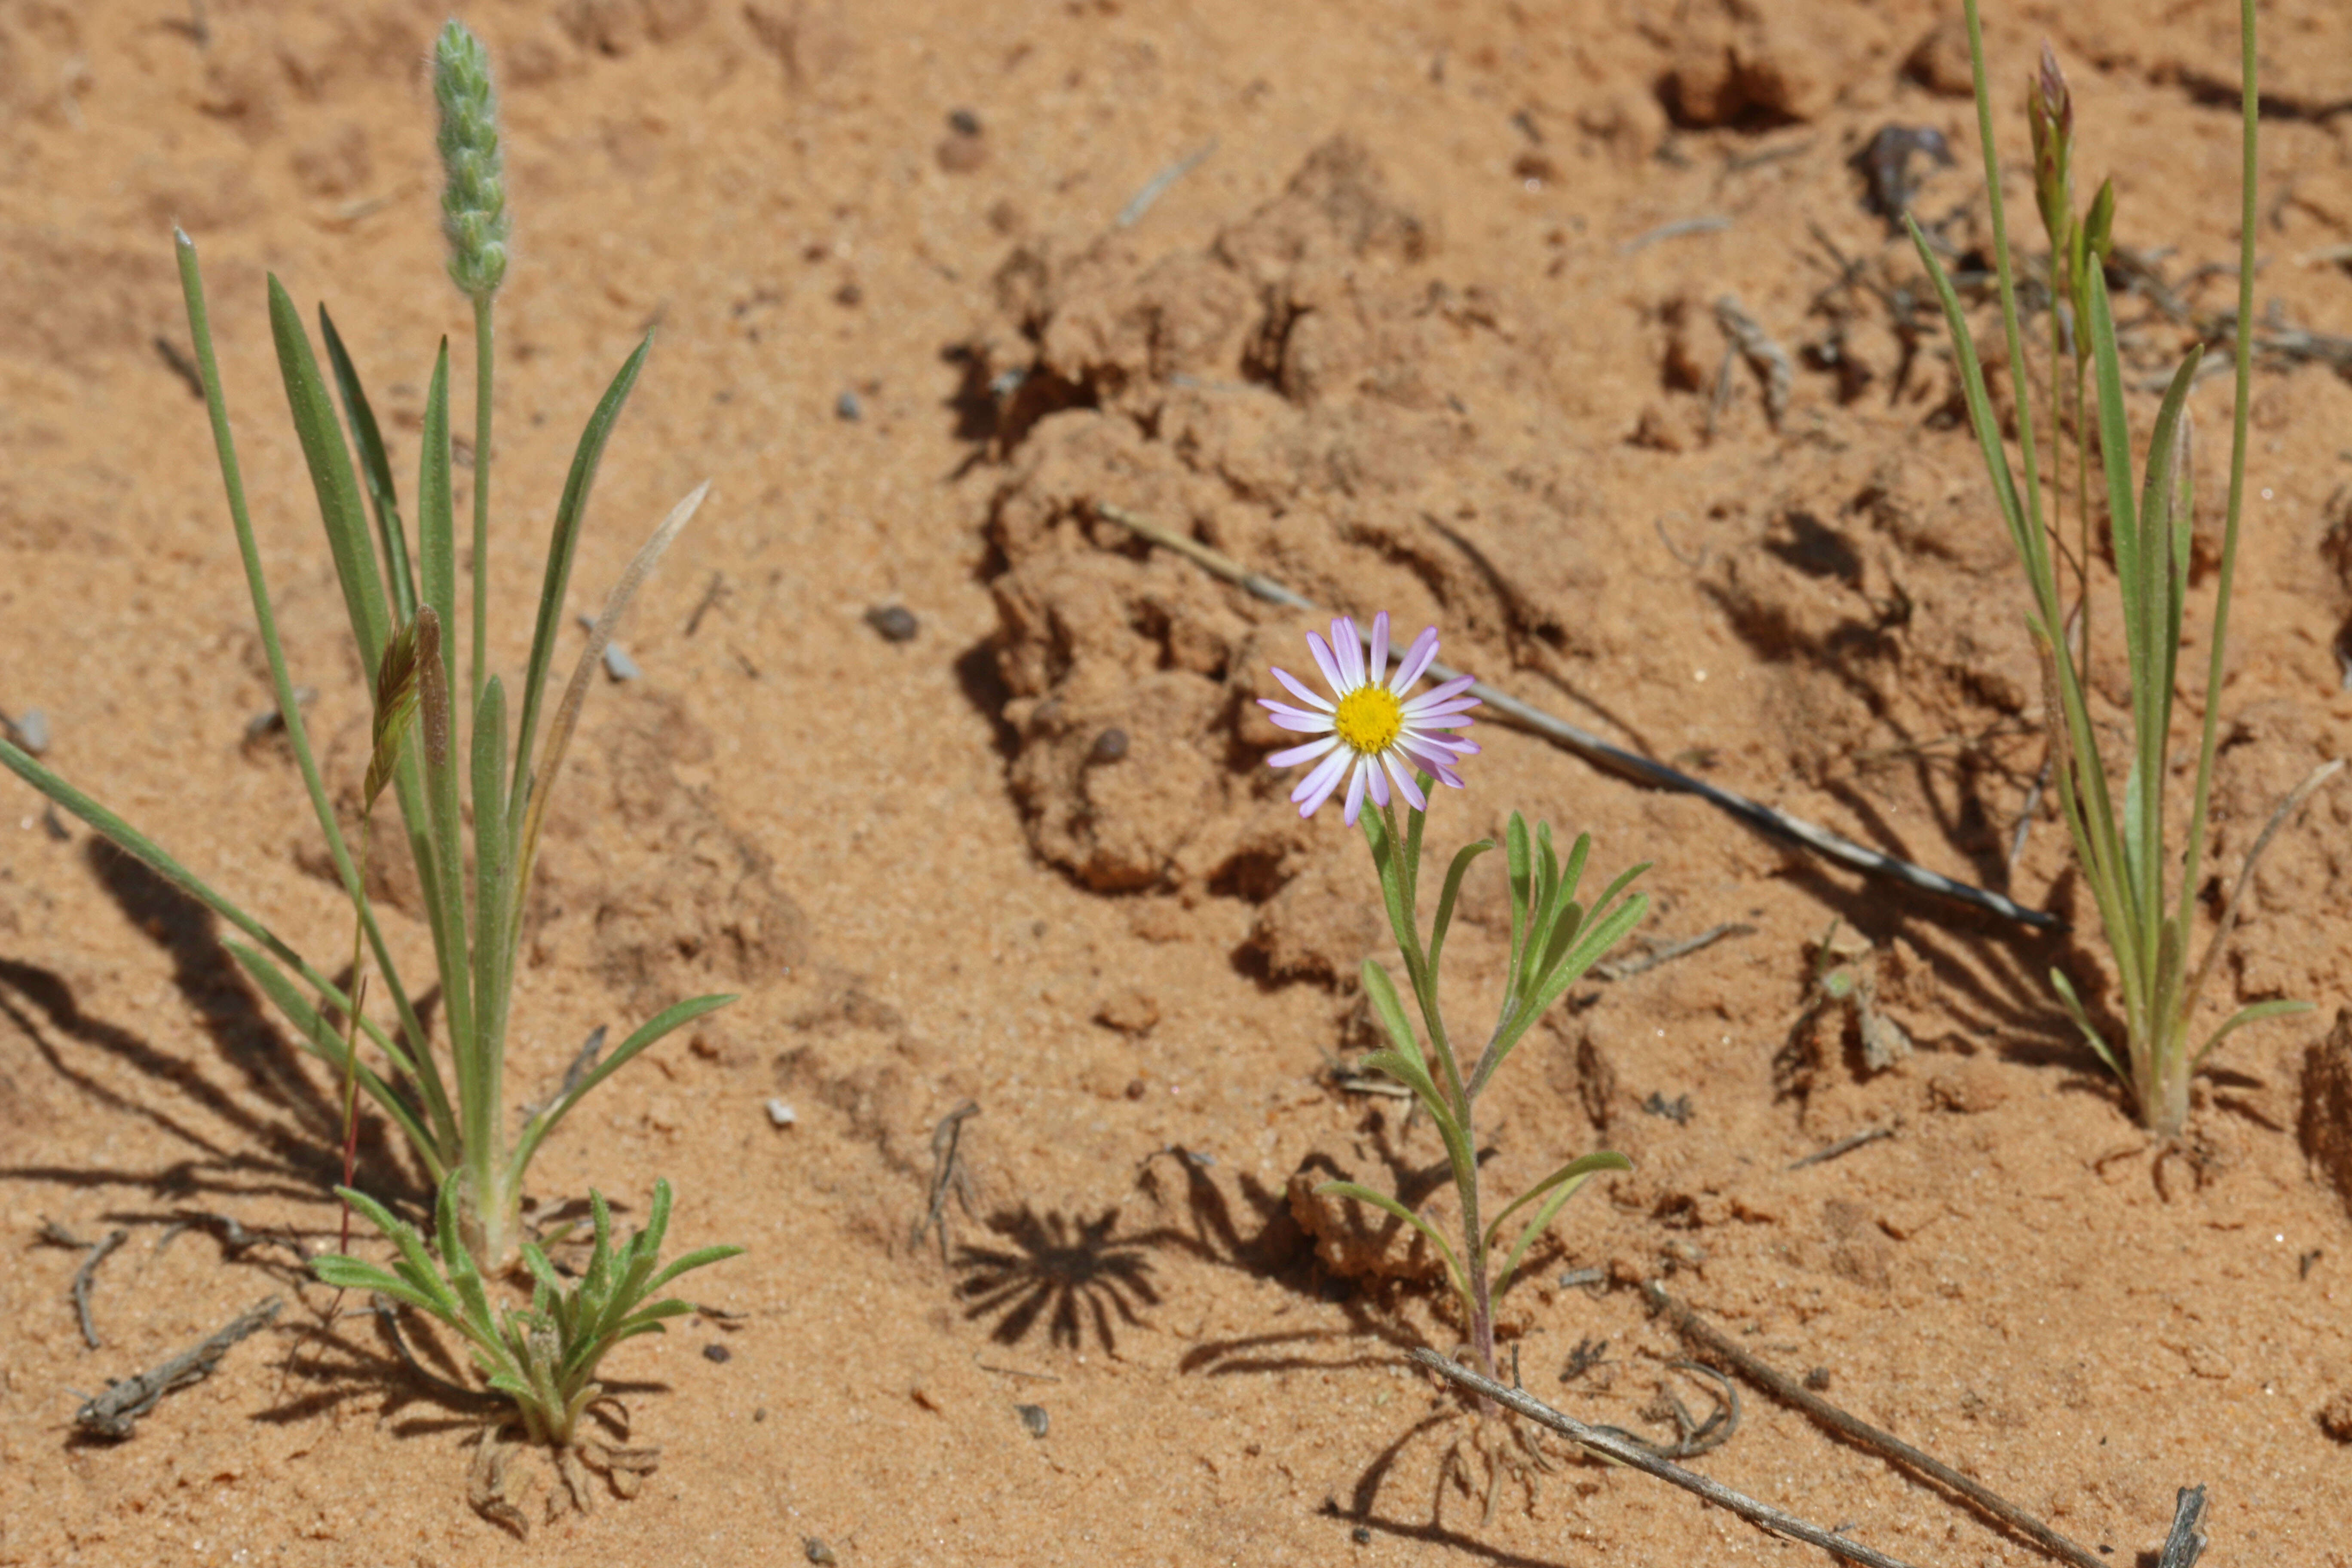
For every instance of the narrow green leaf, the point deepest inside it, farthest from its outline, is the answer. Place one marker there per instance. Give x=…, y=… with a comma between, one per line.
x=1387, y=1204
x=1561, y=1185
x=561, y=546
x=436, y=526
x=2245, y=1015
x=701, y=1257
x=1519, y=868
x=2024, y=533
x=1452, y=890
x=493, y=886
x=1381, y=991
x=2074, y=1010
x=673, y=1018
x=338, y=488
x=1412, y=1072
x=375, y=468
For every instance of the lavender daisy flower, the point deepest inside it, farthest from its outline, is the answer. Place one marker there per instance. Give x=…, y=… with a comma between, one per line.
x=1371, y=736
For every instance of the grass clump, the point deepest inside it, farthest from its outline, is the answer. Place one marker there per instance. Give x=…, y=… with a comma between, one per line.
x=2143, y=883
x=449, y=753
x=543, y=1357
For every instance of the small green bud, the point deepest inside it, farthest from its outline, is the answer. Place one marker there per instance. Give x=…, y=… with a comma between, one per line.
x=2099, y=225
x=474, y=190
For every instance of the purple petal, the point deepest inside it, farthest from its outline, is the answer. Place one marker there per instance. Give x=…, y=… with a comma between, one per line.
x=1300, y=689
x=1443, y=711
x=1356, y=792
x=1297, y=754
x=1349, y=647
x=1317, y=787
x=1286, y=717
x=1378, y=777
x=1453, y=687
x=1416, y=659
x=1380, y=663
x=1325, y=662
x=1404, y=783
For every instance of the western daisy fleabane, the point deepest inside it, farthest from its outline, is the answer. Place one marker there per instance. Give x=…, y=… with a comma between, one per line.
x=1372, y=735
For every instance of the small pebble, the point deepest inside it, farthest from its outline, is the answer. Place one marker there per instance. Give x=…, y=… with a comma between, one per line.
x=847, y=407
x=964, y=123
x=618, y=664
x=782, y=1114
x=1361, y=1535
x=1109, y=746
x=894, y=622
x=816, y=1551
x=32, y=728
x=716, y=1352
x=1034, y=1417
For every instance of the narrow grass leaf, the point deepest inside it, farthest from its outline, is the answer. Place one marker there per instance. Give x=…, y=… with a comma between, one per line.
x=1561, y=1185
x=338, y=488
x=562, y=544
x=375, y=468
x=1446, y=897
x=1382, y=993
x=673, y=1018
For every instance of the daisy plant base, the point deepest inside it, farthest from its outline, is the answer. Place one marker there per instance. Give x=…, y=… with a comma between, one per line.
x=1389, y=749
x=447, y=748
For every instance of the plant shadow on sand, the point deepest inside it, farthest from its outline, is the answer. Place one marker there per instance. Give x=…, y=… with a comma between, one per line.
x=1073, y=1273
x=291, y=1150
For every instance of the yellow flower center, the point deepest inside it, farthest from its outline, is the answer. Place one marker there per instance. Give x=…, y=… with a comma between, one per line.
x=1369, y=719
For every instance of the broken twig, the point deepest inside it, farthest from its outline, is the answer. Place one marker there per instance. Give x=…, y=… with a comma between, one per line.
x=1706, y=1338
x=1610, y=1446
x=1846, y=1146
x=949, y=1174
x=1157, y=186
x=1641, y=963
x=113, y=1413
x=2186, y=1544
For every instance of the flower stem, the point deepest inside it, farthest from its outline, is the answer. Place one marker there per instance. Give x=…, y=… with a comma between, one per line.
x=483, y=345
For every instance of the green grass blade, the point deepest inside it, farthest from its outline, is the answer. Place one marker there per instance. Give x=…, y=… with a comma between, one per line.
x=2245, y=1015
x=701, y=1257
x=2074, y=1010
x=338, y=486
x=673, y=1018
x=436, y=523
x=561, y=547
x=298, y=734
x=375, y=468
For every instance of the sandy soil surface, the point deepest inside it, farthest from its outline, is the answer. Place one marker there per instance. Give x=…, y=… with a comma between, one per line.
x=1428, y=322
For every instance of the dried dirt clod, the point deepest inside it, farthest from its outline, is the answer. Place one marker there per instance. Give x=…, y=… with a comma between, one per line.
x=2327, y=1122
x=1130, y=1012
x=2336, y=1417
x=1969, y=1088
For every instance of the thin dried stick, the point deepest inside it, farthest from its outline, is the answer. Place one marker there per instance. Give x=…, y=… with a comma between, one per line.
x=1626, y=968
x=1707, y=1338
x=57, y=1235
x=949, y=1174
x=1846, y=1146
x=1769, y=820
x=1610, y=1446
x=113, y=1413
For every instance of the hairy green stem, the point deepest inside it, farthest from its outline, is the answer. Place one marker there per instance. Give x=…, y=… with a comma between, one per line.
x=484, y=343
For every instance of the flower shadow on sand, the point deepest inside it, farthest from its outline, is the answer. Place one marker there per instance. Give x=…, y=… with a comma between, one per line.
x=1069, y=1271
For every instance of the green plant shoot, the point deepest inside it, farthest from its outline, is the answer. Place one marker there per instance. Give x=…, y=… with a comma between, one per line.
x=403, y=610
x=2144, y=892
x=543, y=1357
x=1394, y=749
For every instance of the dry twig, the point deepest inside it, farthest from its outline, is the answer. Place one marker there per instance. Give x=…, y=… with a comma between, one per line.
x=1710, y=1341
x=1609, y=1444
x=113, y=1413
